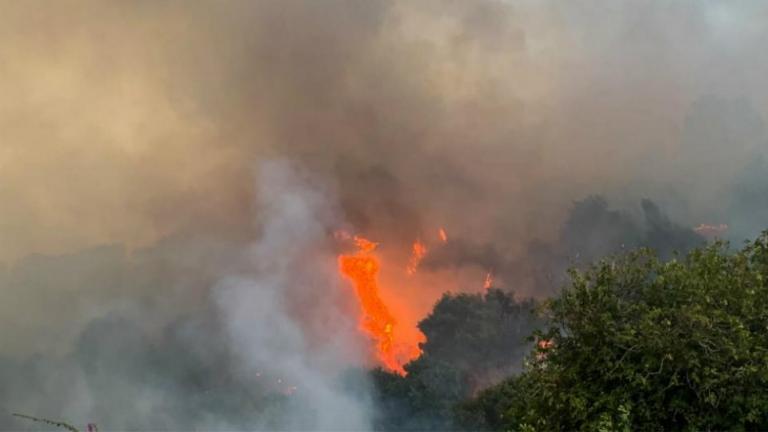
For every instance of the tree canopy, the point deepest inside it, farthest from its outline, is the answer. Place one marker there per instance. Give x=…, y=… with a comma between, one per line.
x=637, y=343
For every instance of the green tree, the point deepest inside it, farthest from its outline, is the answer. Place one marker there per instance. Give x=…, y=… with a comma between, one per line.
x=636, y=343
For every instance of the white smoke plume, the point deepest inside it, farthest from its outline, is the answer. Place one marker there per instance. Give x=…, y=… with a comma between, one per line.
x=264, y=336
x=285, y=317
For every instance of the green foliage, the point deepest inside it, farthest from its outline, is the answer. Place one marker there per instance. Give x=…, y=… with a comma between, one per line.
x=483, y=337
x=422, y=400
x=641, y=344
x=472, y=340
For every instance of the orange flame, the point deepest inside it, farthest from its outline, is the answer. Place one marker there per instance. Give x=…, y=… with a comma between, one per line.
x=488, y=281
x=443, y=235
x=365, y=245
x=544, y=345
x=418, y=252
x=362, y=269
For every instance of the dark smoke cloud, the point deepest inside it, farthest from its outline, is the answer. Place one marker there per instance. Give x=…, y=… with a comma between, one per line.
x=491, y=106
x=591, y=231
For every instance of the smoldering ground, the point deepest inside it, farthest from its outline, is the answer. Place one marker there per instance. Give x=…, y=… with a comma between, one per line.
x=141, y=124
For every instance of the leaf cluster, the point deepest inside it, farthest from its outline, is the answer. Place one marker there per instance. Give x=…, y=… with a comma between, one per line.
x=636, y=343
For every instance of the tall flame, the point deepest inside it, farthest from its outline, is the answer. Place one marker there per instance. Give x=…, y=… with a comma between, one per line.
x=362, y=269
x=443, y=236
x=418, y=252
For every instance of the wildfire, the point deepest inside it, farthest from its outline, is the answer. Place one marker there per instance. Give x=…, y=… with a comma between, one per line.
x=544, y=345
x=365, y=245
x=443, y=235
x=362, y=269
x=417, y=253
x=488, y=281
x=711, y=231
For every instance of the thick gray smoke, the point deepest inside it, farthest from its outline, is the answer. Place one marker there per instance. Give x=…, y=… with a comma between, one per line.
x=268, y=347
x=286, y=316
x=129, y=122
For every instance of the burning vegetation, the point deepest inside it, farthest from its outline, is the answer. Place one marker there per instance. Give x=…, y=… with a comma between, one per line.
x=395, y=344
x=417, y=254
x=173, y=175
x=362, y=269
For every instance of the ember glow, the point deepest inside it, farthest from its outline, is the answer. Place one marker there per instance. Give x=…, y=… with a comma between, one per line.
x=711, y=231
x=544, y=345
x=443, y=235
x=417, y=254
x=362, y=268
x=488, y=281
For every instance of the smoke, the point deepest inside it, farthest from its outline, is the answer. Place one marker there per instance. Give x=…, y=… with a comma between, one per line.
x=267, y=346
x=149, y=116
x=286, y=318
x=591, y=231
x=130, y=132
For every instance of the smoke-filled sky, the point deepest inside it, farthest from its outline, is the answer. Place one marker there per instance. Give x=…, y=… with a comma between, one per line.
x=136, y=137
x=129, y=121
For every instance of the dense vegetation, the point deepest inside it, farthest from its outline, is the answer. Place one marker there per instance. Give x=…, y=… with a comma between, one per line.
x=637, y=343
x=472, y=340
x=644, y=340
